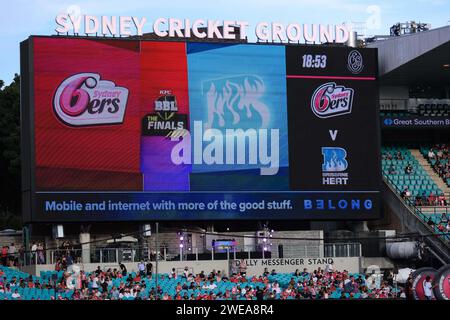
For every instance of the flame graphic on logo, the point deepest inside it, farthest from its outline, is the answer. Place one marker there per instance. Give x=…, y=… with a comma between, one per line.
x=236, y=94
x=334, y=165
x=334, y=159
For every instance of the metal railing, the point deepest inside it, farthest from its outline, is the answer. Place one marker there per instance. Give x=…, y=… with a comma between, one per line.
x=435, y=210
x=410, y=104
x=134, y=254
x=416, y=211
x=394, y=105
x=334, y=250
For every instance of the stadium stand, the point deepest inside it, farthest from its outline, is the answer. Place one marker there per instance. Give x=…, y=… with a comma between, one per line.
x=423, y=110
x=416, y=187
x=433, y=110
x=396, y=114
x=439, y=158
x=403, y=171
x=112, y=285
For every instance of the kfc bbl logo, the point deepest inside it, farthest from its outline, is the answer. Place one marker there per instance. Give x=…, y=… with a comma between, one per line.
x=355, y=62
x=332, y=100
x=165, y=118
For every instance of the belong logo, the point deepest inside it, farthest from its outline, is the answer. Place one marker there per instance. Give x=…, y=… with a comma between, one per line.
x=84, y=99
x=331, y=100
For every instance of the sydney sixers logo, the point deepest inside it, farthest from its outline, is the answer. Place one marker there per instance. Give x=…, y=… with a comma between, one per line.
x=84, y=99
x=331, y=100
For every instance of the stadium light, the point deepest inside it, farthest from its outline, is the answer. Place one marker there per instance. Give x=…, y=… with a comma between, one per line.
x=58, y=231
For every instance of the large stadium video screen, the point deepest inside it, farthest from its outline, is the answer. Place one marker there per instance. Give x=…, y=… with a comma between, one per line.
x=135, y=130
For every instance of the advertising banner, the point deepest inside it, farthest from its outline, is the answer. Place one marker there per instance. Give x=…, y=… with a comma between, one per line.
x=411, y=122
x=134, y=130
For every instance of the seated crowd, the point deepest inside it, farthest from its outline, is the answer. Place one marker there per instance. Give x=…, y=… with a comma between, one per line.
x=118, y=284
x=442, y=224
x=439, y=157
x=412, y=181
x=430, y=200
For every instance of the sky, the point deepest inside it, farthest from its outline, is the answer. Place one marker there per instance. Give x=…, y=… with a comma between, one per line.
x=22, y=18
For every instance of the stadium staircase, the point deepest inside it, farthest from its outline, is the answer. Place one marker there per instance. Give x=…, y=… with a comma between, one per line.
x=429, y=170
x=412, y=218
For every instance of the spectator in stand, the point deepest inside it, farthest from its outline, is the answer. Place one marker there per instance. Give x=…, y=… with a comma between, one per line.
x=173, y=274
x=69, y=260
x=16, y=294
x=441, y=227
x=392, y=170
x=4, y=255
x=441, y=200
x=406, y=194
x=428, y=288
x=141, y=268
x=305, y=272
x=123, y=269
x=64, y=263
x=40, y=253
x=431, y=199
x=12, y=252
x=399, y=156
x=58, y=265
x=149, y=268
x=408, y=169
x=98, y=271
x=243, y=268
x=33, y=250
x=419, y=200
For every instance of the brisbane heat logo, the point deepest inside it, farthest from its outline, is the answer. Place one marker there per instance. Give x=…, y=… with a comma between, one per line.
x=334, y=166
x=236, y=100
x=331, y=100
x=84, y=99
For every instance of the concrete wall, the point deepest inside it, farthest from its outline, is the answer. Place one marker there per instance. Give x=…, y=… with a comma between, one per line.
x=395, y=206
x=289, y=265
x=381, y=262
x=163, y=266
x=254, y=266
x=394, y=92
x=6, y=240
